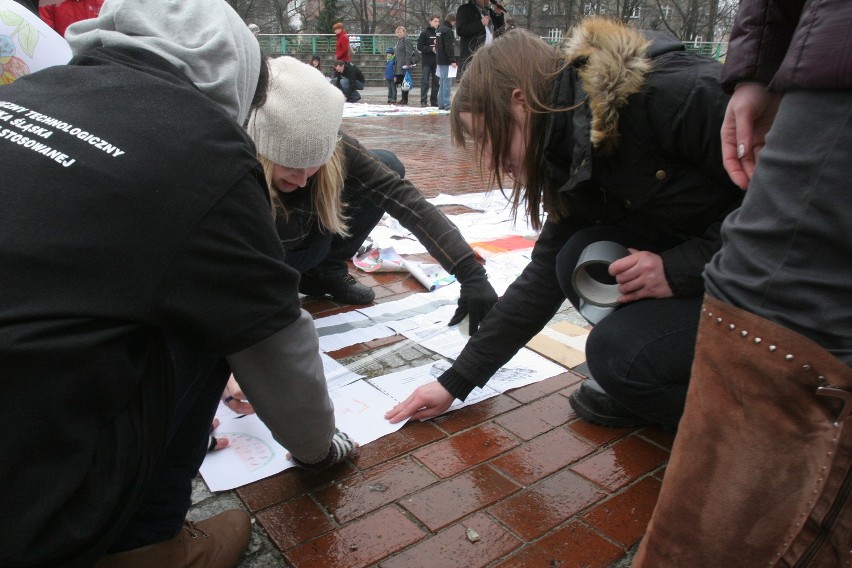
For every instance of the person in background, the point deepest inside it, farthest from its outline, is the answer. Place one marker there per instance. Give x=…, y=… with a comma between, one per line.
x=325, y=211
x=405, y=57
x=255, y=29
x=316, y=62
x=59, y=14
x=759, y=473
x=155, y=271
x=429, y=77
x=476, y=24
x=390, y=76
x=569, y=127
x=445, y=58
x=342, y=51
x=349, y=79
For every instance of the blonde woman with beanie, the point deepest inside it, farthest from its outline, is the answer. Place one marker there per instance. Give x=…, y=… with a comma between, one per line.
x=329, y=192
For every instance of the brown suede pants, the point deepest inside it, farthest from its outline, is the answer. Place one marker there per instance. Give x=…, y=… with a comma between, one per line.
x=761, y=469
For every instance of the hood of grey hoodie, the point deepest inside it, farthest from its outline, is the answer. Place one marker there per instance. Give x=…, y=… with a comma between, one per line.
x=205, y=39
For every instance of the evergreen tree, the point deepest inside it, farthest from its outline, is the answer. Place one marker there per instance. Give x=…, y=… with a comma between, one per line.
x=328, y=16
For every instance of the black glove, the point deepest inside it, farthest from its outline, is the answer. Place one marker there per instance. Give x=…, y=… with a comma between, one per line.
x=477, y=295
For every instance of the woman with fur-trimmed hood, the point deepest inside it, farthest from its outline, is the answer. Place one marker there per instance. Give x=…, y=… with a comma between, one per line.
x=615, y=137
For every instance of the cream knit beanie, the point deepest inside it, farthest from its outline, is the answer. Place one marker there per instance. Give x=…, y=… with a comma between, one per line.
x=297, y=126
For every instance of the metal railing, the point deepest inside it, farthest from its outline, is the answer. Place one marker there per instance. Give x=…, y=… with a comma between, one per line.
x=376, y=44
x=294, y=44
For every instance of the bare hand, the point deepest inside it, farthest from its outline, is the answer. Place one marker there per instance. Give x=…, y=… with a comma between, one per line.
x=748, y=118
x=485, y=20
x=216, y=443
x=234, y=398
x=426, y=401
x=640, y=275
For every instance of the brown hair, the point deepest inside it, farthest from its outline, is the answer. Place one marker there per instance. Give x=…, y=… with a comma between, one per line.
x=326, y=188
x=519, y=59
x=337, y=26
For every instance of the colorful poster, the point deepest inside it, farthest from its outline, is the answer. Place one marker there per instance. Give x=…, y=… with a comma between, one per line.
x=27, y=44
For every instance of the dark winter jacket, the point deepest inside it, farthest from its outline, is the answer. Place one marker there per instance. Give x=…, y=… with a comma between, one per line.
x=470, y=29
x=153, y=187
x=398, y=197
x=791, y=44
x=426, y=46
x=445, y=44
x=351, y=72
x=663, y=180
x=405, y=56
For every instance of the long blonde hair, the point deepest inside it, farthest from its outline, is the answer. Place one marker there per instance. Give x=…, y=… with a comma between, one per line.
x=326, y=190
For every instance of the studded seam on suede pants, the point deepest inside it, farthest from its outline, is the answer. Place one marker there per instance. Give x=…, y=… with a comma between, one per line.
x=761, y=468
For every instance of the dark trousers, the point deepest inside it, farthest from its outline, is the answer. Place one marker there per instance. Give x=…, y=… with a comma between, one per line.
x=199, y=382
x=641, y=354
x=328, y=253
x=429, y=78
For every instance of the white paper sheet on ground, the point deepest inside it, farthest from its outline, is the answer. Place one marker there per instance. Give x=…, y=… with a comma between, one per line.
x=504, y=268
x=525, y=368
x=438, y=337
x=351, y=110
x=341, y=330
x=412, y=305
x=359, y=410
x=336, y=375
x=252, y=453
x=389, y=233
x=437, y=317
x=482, y=201
x=401, y=384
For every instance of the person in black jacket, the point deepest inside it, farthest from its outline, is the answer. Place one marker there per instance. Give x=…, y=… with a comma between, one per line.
x=476, y=23
x=445, y=58
x=127, y=301
x=426, y=47
x=616, y=140
x=349, y=79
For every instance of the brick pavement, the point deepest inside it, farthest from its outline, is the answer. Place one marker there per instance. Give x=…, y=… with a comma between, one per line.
x=516, y=480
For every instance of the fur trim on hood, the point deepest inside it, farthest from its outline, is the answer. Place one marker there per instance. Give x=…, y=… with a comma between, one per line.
x=612, y=61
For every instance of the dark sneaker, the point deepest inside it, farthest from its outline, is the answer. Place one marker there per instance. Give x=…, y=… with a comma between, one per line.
x=592, y=404
x=342, y=288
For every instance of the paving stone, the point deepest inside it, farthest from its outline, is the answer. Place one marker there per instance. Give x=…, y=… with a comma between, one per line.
x=468, y=449
x=621, y=463
x=362, y=543
x=446, y=502
x=472, y=543
x=545, y=505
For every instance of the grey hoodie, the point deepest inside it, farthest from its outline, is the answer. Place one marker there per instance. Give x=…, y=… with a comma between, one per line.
x=205, y=39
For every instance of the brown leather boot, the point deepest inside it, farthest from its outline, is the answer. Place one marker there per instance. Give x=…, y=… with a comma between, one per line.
x=216, y=542
x=761, y=469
